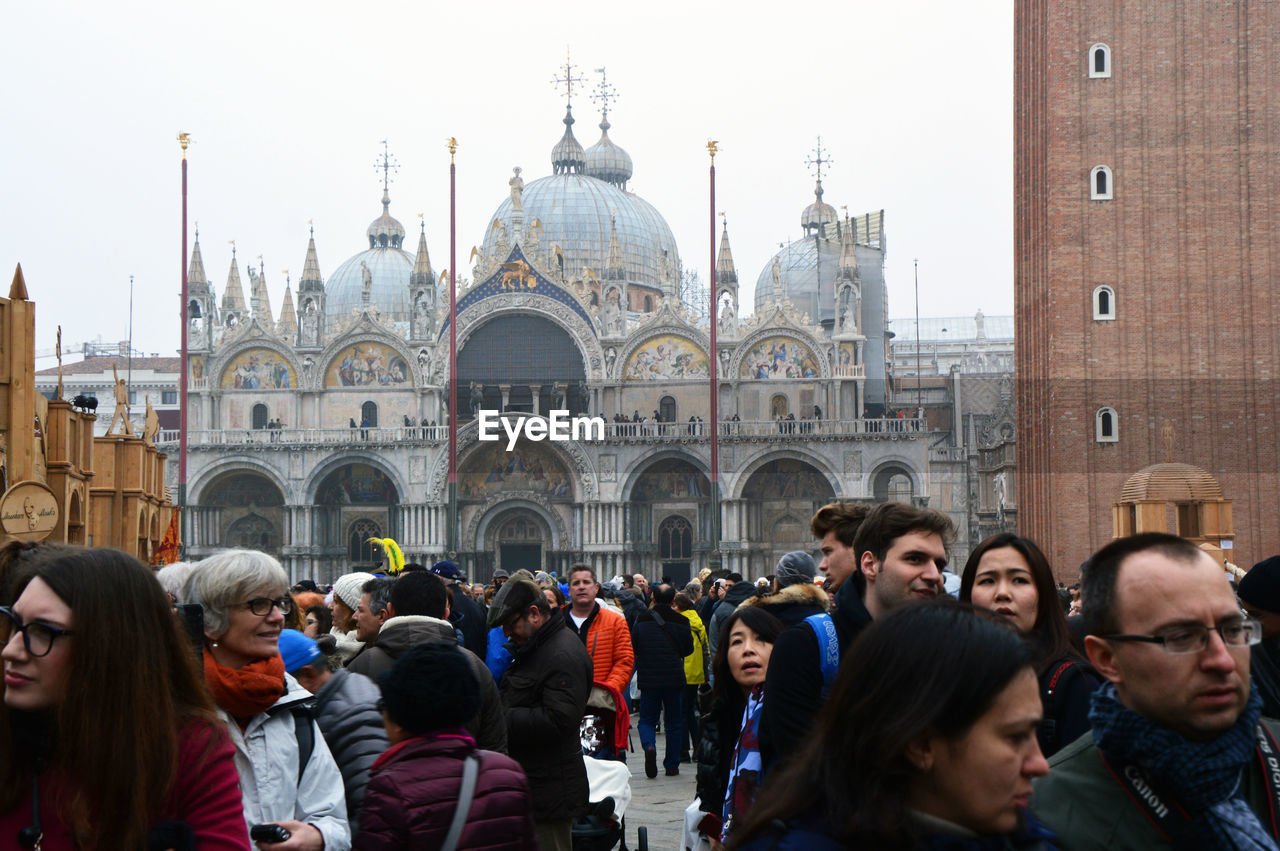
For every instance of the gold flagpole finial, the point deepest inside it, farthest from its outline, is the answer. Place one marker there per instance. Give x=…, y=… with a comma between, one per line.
x=184, y=139
x=453, y=147
x=713, y=148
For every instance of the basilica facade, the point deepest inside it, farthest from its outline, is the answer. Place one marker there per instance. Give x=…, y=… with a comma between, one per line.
x=317, y=428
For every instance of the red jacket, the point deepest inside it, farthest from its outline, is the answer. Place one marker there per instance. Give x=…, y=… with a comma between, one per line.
x=413, y=791
x=609, y=645
x=205, y=795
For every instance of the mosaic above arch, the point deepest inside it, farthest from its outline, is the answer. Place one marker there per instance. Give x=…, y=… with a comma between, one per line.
x=368, y=364
x=665, y=358
x=258, y=369
x=779, y=357
x=530, y=467
x=357, y=484
x=671, y=478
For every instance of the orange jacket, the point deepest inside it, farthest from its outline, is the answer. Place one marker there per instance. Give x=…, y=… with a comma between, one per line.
x=609, y=644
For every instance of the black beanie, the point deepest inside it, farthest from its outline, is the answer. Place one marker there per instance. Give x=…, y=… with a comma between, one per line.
x=431, y=687
x=1260, y=587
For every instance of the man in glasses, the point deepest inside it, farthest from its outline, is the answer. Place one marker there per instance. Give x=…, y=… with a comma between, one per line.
x=1176, y=753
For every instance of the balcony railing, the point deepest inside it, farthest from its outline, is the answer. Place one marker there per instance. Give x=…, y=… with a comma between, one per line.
x=613, y=433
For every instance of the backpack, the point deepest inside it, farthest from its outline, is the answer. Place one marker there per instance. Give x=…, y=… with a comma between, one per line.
x=304, y=729
x=824, y=629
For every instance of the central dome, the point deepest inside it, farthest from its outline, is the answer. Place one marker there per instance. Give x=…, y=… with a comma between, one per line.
x=389, y=267
x=576, y=210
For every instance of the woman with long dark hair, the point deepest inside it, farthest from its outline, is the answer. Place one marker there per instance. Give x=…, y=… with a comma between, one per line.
x=106, y=730
x=926, y=741
x=1009, y=575
x=728, y=753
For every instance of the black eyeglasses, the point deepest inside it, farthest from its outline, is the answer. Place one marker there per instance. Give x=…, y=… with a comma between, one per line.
x=262, y=606
x=37, y=637
x=1194, y=638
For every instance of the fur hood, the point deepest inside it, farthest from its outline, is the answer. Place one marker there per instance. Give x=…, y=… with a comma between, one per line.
x=802, y=593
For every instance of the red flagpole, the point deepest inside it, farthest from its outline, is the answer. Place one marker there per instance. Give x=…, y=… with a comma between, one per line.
x=183, y=140
x=715, y=375
x=453, y=357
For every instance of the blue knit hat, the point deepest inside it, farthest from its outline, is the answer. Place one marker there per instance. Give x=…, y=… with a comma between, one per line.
x=297, y=650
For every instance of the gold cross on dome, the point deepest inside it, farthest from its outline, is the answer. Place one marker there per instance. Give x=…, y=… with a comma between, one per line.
x=568, y=81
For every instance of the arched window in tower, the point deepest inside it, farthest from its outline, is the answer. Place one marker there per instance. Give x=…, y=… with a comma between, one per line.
x=1104, y=303
x=259, y=415
x=1099, y=61
x=1100, y=183
x=648, y=304
x=1106, y=426
x=369, y=415
x=667, y=409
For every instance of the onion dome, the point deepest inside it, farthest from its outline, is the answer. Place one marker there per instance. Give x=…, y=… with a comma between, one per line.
x=818, y=213
x=567, y=157
x=1171, y=482
x=386, y=230
x=607, y=161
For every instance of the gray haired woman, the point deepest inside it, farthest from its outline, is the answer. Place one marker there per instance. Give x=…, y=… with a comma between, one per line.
x=287, y=774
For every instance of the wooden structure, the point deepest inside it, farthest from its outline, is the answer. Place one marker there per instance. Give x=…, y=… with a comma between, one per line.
x=109, y=490
x=1181, y=499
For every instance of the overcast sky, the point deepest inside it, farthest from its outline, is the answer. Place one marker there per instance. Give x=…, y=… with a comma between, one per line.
x=288, y=103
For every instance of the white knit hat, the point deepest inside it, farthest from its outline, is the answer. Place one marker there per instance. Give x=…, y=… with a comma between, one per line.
x=348, y=587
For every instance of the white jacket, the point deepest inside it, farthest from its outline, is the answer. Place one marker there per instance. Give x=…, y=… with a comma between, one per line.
x=267, y=759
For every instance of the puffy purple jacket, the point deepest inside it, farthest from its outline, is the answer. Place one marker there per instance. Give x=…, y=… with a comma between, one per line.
x=413, y=791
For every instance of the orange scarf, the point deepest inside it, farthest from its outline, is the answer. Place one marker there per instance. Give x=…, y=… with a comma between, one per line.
x=244, y=692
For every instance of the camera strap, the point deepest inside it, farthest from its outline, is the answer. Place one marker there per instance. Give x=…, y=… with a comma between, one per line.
x=470, y=773
x=31, y=837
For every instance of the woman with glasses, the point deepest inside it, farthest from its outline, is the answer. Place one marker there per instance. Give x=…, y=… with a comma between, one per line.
x=1009, y=575
x=108, y=739
x=288, y=776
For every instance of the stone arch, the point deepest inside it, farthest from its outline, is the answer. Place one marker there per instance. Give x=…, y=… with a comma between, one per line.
x=632, y=475
x=200, y=486
x=655, y=336
x=478, y=529
x=584, y=487
x=885, y=468
x=738, y=485
x=820, y=352
x=322, y=470
x=366, y=333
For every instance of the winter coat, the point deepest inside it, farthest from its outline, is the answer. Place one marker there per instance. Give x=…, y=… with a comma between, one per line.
x=660, y=650
x=346, y=710
x=631, y=604
x=794, y=680
x=205, y=795
x=718, y=732
x=496, y=657
x=1081, y=801
x=400, y=633
x=468, y=617
x=697, y=662
x=811, y=832
x=348, y=645
x=794, y=603
x=267, y=760
x=608, y=642
x=413, y=792
x=545, y=693
x=735, y=596
x=1066, y=715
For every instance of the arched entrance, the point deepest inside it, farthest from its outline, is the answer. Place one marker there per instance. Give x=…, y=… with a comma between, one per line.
x=248, y=512
x=354, y=502
x=520, y=542
x=781, y=497
x=670, y=517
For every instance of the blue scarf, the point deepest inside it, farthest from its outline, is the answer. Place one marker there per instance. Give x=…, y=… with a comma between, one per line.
x=1203, y=776
x=745, y=767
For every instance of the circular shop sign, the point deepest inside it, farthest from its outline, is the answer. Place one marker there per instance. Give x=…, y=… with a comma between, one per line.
x=28, y=511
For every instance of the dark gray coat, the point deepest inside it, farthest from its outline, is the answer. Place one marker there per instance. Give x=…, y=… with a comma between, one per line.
x=347, y=714
x=400, y=633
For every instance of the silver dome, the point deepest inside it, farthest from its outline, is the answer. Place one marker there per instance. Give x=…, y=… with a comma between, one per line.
x=818, y=213
x=575, y=211
x=608, y=161
x=807, y=270
x=386, y=230
x=389, y=269
x=567, y=157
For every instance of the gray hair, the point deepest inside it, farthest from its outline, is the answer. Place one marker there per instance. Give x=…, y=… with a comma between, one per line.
x=173, y=576
x=379, y=591
x=229, y=577
x=693, y=589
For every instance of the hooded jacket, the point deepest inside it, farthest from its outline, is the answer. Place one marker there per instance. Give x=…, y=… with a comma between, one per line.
x=794, y=680
x=794, y=603
x=660, y=649
x=400, y=633
x=697, y=662
x=413, y=791
x=632, y=606
x=267, y=760
x=739, y=593
x=346, y=710
x=545, y=693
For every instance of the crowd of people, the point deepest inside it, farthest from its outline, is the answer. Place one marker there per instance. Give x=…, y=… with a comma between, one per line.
x=870, y=699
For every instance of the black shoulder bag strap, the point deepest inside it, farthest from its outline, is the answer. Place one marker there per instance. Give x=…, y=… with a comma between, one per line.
x=1050, y=699
x=662, y=628
x=305, y=731
x=470, y=773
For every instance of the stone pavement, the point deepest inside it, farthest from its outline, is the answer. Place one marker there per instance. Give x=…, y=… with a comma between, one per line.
x=657, y=804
